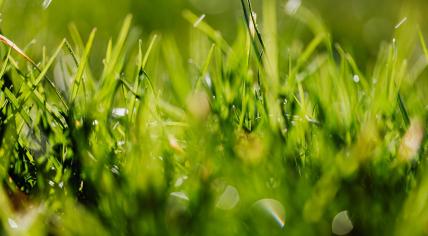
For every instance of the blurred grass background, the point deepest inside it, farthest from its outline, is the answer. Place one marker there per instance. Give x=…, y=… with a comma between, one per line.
x=358, y=25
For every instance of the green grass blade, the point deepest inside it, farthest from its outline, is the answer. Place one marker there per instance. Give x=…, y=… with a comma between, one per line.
x=81, y=69
x=112, y=61
x=16, y=105
x=149, y=50
x=214, y=35
x=46, y=69
x=205, y=67
x=403, y=110
x=423, y=44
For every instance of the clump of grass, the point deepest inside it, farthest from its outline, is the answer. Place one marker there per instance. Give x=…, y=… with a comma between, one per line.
x=243, y=140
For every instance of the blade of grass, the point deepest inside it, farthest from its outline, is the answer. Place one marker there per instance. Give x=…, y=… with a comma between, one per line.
x=33, y=92
x=141, y=64
x=403, y=110
x=5, y=63
x=149, y=50
x=118, y=47
x=81, y=69
x=178, y=73
x=251, y=21
x=76, y=37
x=213, y=34
x=16, y=106
x=12, y=45
x=423, y=44
x=205, y=67
x=45, y=70
x=113, y=65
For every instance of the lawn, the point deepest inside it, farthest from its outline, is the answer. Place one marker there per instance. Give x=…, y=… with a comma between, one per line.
x=222, y=118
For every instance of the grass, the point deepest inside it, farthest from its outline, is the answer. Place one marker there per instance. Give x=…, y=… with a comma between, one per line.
x=240, y=140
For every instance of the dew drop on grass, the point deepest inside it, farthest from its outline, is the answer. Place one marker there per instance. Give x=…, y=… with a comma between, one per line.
x=356, y=78
x=208, y=81
x=115, y=170
x=401, y=23
x=228, y=199
x=199, y=20
x=180, y=195
x=119, y=112
x=12, y=223
x=180, y=181
x=121, y=143
x=46, y=3
x=272, y=209
x=341, y=224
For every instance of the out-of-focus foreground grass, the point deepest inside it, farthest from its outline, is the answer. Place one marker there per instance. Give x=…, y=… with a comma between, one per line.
x=149, y=126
